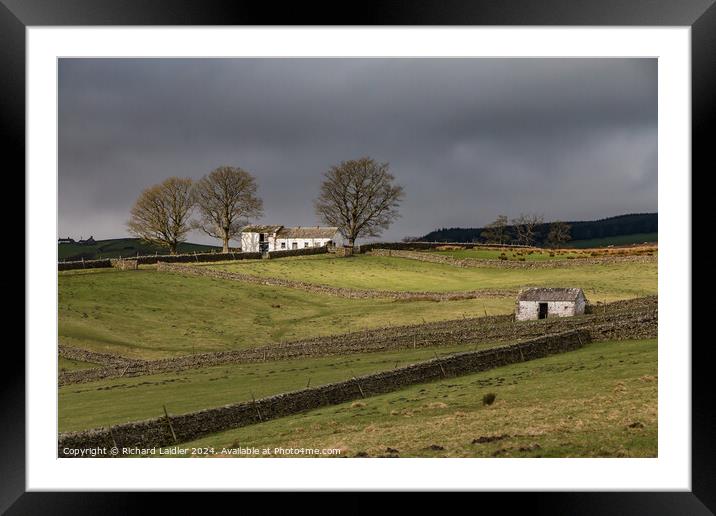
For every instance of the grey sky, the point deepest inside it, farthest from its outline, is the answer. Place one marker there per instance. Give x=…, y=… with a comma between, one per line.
x=468, y=138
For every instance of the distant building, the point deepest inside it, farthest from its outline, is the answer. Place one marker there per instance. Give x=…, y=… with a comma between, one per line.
x=540, y=303
x=66, y=240
x=278, y=238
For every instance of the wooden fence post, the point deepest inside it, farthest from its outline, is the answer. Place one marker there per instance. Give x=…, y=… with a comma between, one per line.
x=166, y=414
x=114, y=442
x=359, y=387
x=439, y=364
x=358, y=384
x=256, y=406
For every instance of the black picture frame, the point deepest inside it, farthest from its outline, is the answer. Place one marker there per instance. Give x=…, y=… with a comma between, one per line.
x=700, y=15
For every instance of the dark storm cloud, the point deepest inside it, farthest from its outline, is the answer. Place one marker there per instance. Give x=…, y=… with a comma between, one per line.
x=468, y=138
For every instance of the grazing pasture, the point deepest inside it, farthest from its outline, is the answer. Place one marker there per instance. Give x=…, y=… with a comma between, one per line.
x=66, y=364
x=635, y=238
x=148, y=314
x=534, y=254
x=598, y=401
x=603, y=282
x=537, y=254
x=120, y=400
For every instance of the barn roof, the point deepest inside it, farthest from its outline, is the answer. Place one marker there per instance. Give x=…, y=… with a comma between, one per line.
x=308, y=232
x=261, y=229
x=549, y=294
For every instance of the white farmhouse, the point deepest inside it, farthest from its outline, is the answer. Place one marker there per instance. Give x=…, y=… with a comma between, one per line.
x=540, y=303
x=279, y=238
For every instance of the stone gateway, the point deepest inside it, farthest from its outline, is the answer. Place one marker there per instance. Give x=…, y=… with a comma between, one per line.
x=541, y=303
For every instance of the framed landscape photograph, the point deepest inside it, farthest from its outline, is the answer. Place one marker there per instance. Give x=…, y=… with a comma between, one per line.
x=438, y=251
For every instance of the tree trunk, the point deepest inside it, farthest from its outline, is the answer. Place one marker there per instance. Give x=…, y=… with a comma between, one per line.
x=351, y=242
x=173, y=248
x=226, y=245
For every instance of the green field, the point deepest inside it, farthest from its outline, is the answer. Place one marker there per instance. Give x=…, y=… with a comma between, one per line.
x=599, y=401
x=600, y=282
x=122, y=247
x=119, y=400
x=529, y=255
x=636, y=238
x=66, y=364
x=149, y=314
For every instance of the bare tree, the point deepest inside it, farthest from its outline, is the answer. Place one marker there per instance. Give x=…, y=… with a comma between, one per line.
x=359, y=197
x=559, y=233
x=161, y=213
x=496, y=232
x=226, y=200
x=526, y=228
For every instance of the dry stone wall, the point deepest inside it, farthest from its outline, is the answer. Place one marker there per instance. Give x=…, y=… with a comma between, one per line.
x=628, y=319
x=350, y=293
x=185, y=258
x=84, y=264
x=125, y=264
x=197, y=258
x=95, y=357
x=414, y=246
x=511, y=264
x=304, y=251
x=166, y=431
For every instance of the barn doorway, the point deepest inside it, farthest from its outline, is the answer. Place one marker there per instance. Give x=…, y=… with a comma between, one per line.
x=542, y=310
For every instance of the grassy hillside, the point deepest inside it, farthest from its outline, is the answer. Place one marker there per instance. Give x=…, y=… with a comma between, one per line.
x=637, y=238
x=118, y=247
x=149, y=314
x=599, y=401
x=600, y=282
x=120, y=400
x=530, y=255
x=620, y=225
x=66, y=364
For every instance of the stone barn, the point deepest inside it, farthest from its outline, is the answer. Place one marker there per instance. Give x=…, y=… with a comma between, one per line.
x=541, y=303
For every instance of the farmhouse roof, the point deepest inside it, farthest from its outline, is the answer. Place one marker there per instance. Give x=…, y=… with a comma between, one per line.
x=308, y=232
x=261, y=229
x=549, y=294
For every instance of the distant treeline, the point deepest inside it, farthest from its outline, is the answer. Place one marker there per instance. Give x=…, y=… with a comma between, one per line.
x=580, y=230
